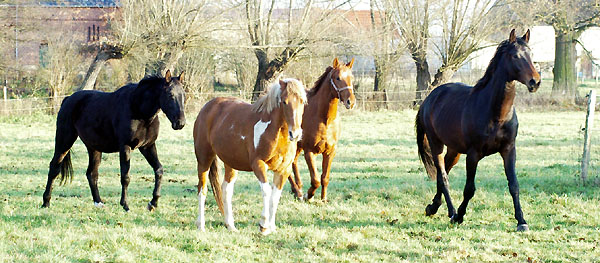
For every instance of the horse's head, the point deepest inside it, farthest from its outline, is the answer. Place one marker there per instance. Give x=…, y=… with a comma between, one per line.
x=172, y=99
x=519, y=65
x=341, y=81
x=292, y=100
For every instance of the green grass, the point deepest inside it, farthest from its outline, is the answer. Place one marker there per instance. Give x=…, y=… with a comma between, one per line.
x=378, y=193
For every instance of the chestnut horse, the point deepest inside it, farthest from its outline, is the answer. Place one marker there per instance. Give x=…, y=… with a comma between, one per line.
x=321, y=126
x=249, y=137
x=477, y=121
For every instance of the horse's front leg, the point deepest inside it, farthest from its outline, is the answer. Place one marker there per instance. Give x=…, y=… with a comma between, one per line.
x=472, y=161
x=149, y=152
x=509, y=156
x=278, y=182
x=259, y=167
x=326, y=167
x=124, y=156
x=315, y=181
x=296, y=181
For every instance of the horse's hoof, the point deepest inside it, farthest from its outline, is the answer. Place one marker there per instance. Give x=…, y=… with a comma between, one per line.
x=431, y=210
x=522, y=228
x=151, y=207
x=264, y=230
x=99, y=204
x=200, y=226
x=456, y=220
x=45, y=205
x=126, y=208
x=308, y=200
x=325, y=201
x=232, y=228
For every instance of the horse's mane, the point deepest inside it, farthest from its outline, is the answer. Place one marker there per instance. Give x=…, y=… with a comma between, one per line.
x=489, y=72
x=270, y=99
x=319, y=81
x=150, y=81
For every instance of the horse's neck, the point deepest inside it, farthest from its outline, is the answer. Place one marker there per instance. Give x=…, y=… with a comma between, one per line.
x=500, y=92
x=327, y=102
x=144, y=103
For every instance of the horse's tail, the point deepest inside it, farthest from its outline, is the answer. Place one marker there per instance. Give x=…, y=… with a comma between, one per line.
x=424, y=150
x=213, y=175
x=66, y=169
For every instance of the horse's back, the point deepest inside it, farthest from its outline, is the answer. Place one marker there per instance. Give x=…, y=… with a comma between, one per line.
x=442, y=112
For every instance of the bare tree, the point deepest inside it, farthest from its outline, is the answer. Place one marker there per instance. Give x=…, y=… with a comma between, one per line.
x=384, y=43
x=412, y=17
x=569, y=18
x=64, y=61
x=278, y=33
x=465, y=26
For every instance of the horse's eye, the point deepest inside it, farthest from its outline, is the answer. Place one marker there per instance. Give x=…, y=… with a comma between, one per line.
x=284, y=102
x=515, y=56
x=338, y=78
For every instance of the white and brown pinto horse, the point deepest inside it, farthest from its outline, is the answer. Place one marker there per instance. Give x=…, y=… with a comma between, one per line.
x=249, y=137
x=321, y=125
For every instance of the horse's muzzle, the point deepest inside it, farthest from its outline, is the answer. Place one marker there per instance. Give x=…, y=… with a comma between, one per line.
x=178, y=125
x=533, y=85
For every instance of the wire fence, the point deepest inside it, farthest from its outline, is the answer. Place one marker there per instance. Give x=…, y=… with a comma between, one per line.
x=365, y=100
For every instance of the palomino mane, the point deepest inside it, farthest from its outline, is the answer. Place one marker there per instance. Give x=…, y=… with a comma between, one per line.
x=319, y=81
x=489, y=72
x=270, y=99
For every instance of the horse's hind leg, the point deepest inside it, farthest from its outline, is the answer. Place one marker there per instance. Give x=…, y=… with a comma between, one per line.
x=124, y=157
x=149, y=152
x=450, y=160
x=227, y=189
x=442, y=180
x=65, y=137
x=95, y=157
x=472, y=160
x=203, y=166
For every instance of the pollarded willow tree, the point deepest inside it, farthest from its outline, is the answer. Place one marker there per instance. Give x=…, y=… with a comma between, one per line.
x=569, y=18
x=386, y=50
x=459, y=28
x=279, y=32
x=155, y=33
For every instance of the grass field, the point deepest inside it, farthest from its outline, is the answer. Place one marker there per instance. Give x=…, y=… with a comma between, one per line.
x=378, y=193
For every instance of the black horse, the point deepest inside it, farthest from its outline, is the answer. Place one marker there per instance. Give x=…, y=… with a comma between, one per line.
x=477, y=121
x=120, y=121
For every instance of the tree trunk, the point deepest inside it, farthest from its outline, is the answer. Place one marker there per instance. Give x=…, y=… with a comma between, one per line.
x=105, y=52
x=565, y=56
x=442, y=76
x=381, y=73
x=423, y=79
x=262, y=80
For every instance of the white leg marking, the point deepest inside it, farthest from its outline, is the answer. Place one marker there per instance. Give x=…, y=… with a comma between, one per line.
x=99, y=204
x=228, y=196
x=275, y=196
x=259, y=129
x=201, y=200
x=266, y=194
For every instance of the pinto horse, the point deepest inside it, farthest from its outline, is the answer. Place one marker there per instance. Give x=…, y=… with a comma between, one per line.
x=248, y=137
x=119, y=121
x=321, y=126
x=477, y=121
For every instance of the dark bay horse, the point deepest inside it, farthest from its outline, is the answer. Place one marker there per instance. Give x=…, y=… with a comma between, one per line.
x=119, y=121
x=248, y=137
x=321, y=126
x=477, y=121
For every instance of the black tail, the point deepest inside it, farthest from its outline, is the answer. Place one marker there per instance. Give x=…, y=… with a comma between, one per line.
x=424, y=150
x=66, y=169
x=213, y=176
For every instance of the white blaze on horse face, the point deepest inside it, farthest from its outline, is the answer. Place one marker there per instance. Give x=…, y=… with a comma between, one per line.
x=259, y=129
x=266, y=194
x=201, y=201
x=227, y=189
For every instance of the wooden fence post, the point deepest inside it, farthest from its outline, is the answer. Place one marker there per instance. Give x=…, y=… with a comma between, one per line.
x=589, y=121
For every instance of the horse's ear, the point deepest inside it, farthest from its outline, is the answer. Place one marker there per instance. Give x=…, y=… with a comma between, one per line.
x=336, y=63
x=181, y=76
x=512, y=38
x=526, y=36
x=168, y=76
x=282, y=84
x=350, y=63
